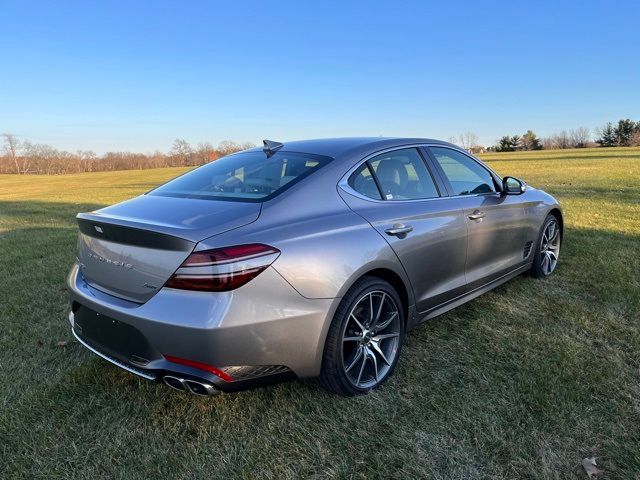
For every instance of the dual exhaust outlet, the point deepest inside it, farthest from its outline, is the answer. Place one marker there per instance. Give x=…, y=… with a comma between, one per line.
x=189, y=385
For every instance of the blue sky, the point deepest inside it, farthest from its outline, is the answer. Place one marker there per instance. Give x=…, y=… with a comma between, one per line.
x=136, y=75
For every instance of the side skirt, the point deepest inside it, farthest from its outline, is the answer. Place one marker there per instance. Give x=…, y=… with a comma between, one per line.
x=451, y=304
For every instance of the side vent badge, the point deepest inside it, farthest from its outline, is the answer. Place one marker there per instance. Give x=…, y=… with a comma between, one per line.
x=527, y=249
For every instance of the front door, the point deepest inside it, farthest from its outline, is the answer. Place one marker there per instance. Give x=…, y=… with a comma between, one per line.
x=495, y=222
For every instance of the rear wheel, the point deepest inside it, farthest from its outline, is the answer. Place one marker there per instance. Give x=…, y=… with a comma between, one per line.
x=547, y=249
x=364, y=339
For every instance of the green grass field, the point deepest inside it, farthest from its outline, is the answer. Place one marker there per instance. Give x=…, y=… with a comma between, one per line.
x=523, y=382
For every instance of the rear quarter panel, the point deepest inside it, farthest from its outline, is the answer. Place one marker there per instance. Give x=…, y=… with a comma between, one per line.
x=322, y=255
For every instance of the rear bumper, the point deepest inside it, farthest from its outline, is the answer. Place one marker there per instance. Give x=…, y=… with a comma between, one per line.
x=251, y=376
x=146, y=374
x=263, y=329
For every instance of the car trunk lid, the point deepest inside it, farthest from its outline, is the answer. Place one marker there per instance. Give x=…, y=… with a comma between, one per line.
x=130, y=250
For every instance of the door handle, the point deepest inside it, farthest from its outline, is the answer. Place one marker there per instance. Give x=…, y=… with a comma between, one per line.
x=477, y=215
x=399, y=229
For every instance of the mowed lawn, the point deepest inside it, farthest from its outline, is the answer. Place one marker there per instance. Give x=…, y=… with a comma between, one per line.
x=523, y=382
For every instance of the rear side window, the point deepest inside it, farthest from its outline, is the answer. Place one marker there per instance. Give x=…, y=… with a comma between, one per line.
x=466, y=176
x=248, y=176
x=403, y=175
x=363, y=182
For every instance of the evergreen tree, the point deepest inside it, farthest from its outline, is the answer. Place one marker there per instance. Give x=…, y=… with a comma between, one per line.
x=623, y=132
x=530, y=141
x=607, y=136
x=507, y=144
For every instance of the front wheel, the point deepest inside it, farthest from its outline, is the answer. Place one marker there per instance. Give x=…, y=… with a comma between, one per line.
x=547, y=249
x=364, y=340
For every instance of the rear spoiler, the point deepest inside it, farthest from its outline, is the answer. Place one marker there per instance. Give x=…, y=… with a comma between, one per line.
x=97, y=227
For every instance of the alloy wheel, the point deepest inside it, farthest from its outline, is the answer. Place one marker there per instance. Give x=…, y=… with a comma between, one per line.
x=550, y=247
x=370, y=339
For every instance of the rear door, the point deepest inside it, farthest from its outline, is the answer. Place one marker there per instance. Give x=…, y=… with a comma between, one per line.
x=397, y=194
x=495, y=222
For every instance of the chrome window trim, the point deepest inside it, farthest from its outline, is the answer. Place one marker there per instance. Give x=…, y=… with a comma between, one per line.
x=344, y=181
x=113, y=360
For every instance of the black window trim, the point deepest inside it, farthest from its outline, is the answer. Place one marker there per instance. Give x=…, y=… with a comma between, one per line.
x=372, y=172
x=345, y=183
x=496, y=179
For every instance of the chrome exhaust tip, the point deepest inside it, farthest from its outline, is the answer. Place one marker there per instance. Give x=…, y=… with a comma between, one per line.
x=191, y=386
x=200, y=388
x=173, y=382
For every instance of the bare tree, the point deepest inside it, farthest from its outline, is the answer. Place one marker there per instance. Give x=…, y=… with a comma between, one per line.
x=182, y=151
x=468, y=140
x=205, y=153
x=41, y=156
x=557, y=140
x=226, y=147
x=563, y=139
x=547, y=143
x=25, y=157
x=634, y=138
x=11, y=146
x=579, y=137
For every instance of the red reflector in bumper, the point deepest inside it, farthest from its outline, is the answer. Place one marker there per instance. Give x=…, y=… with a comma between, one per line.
x=200, y=366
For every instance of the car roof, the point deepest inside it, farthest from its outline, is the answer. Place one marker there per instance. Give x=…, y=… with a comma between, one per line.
x=338, y=147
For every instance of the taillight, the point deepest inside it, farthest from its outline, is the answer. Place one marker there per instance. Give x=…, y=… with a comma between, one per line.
x=223, y=269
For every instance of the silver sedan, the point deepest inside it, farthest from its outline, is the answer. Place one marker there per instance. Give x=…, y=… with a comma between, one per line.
x=304, y=259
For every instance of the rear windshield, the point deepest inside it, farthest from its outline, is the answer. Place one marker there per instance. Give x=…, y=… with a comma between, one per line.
x=247, y=177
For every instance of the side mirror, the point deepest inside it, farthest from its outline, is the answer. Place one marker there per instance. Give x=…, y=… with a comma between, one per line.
x=513, y=186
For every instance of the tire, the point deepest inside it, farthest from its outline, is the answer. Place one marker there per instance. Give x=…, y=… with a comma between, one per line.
x=355, y=336
x=547, y=252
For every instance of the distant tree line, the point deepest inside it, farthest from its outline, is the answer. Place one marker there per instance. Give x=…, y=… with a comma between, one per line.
x=25, y=157
x=574, y=138
x=625, y=133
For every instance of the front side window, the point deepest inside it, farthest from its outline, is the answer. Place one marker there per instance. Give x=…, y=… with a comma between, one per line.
x=248, y=176
x=466, y=176
x=403, y=175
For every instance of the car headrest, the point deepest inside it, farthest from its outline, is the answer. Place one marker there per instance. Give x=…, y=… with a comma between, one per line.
x=392, y=171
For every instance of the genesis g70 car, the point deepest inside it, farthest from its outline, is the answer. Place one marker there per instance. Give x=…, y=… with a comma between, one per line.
x=308, y=259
